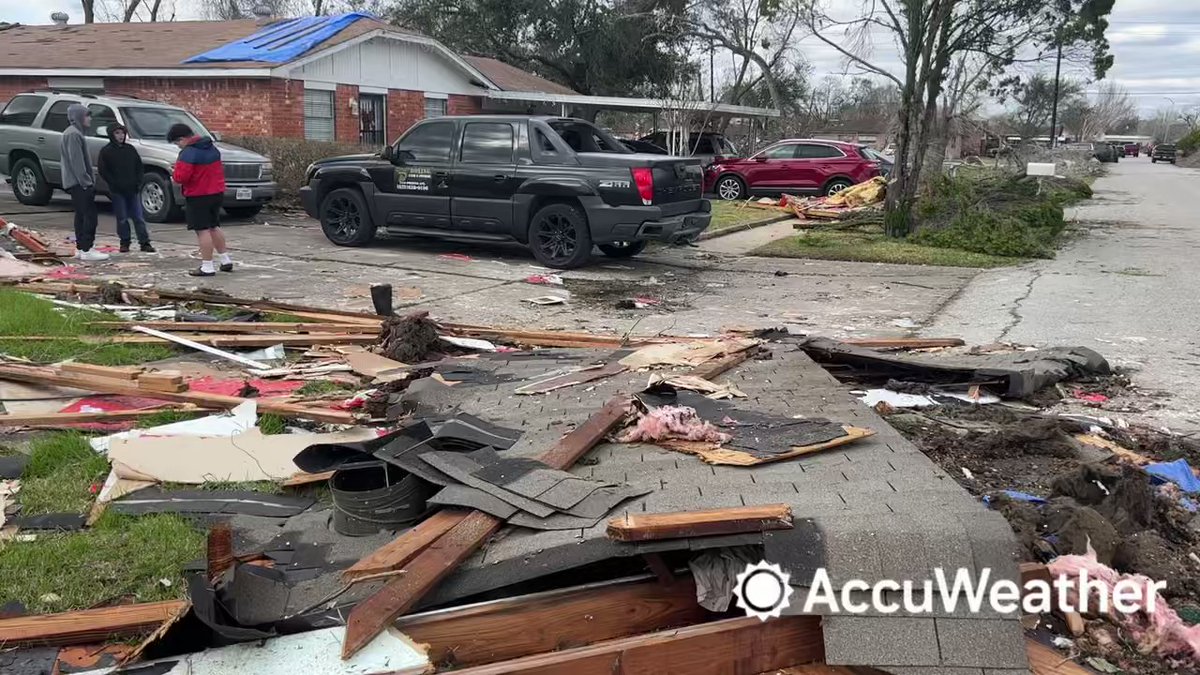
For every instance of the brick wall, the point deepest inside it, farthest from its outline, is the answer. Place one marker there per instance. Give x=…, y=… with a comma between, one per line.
x=345, y=122
x=287, y=108
x=404, y=109
x=11, y=86
x=464, y=105
x=233, y=107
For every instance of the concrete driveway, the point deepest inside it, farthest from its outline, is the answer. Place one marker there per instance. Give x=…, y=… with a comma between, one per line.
x=692, y=289
x=1126, y=287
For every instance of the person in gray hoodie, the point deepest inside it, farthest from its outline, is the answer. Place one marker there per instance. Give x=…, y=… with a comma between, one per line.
x=79, y=180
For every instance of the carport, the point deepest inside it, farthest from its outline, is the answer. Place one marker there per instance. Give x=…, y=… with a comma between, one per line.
x=670, y=115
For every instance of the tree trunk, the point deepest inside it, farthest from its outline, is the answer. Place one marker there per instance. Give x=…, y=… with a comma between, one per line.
x=935, y=152
x=154, y=10
x=133, y=5
x=89, y=11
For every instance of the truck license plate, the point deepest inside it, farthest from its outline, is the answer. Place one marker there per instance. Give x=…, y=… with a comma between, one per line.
x=244, y=194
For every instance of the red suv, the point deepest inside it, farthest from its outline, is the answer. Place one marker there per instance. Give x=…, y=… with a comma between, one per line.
x=797, y=166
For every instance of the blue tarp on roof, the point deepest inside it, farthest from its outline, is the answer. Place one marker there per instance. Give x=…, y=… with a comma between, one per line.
x=283, y=41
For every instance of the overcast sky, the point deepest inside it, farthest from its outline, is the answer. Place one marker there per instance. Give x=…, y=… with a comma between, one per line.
x=1156, y=44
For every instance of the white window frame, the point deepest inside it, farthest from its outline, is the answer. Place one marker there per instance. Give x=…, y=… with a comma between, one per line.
x=310, y=131
x=441, y=99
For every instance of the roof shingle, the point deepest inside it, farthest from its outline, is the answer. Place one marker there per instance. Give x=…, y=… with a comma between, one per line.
x=511, y=78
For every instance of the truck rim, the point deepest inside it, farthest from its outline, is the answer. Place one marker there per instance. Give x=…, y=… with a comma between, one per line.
x=556, y=236
x=153, y=197
x=729, y=189
x=26, y=181
x=343, y=218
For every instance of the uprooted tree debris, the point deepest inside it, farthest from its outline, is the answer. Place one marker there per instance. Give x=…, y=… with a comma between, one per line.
x=541, y=501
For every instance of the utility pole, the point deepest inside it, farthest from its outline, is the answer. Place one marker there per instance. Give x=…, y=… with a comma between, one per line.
x=1054, y=110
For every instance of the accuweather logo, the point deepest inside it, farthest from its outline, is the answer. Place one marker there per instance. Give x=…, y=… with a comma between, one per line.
x=763, y=590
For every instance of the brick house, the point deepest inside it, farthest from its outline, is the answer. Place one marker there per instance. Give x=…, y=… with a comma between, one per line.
x=351, y=78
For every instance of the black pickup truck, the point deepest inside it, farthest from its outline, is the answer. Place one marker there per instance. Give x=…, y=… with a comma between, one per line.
x=558, y=185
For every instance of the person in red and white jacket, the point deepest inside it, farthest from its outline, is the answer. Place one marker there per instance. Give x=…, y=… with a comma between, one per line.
x=199, y=172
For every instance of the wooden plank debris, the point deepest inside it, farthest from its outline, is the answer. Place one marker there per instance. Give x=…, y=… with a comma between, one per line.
x=116, y=373
x=221, y=339
x=1045, y=660
x=229, y=356
x=544, y=622
x=397, y=552
x=715, y=454
x=741, y=645
x=37, y=375
x=581, y=376
x=63, y=419
x=162, y=380
x=474, y=528
x=680, y=524
x=88, y=625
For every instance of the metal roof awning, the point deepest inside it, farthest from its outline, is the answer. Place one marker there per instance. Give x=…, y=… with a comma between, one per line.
x=632, y=104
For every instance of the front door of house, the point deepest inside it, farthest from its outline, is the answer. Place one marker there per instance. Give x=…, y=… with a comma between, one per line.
x=372, y=116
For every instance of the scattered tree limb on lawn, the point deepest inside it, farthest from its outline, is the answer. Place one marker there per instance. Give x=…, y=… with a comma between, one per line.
x=63, y=419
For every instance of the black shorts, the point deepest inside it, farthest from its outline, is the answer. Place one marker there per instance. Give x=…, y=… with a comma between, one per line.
x=204, y=212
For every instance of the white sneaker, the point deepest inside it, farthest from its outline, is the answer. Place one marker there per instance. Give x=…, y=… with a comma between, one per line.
x=92, y=256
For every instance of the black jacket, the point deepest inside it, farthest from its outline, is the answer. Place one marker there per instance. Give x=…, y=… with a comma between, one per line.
x=120, y=165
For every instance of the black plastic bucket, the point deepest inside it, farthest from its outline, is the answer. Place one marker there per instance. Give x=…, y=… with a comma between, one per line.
x=367, y=499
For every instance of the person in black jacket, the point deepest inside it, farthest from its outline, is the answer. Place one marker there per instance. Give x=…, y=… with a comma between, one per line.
x=121, y=167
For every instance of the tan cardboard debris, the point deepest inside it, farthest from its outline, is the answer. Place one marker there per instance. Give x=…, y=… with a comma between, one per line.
x=248, y=456
x=685, y=353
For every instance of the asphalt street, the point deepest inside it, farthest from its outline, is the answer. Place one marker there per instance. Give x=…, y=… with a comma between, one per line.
x=684, y=290
x=1125, y=286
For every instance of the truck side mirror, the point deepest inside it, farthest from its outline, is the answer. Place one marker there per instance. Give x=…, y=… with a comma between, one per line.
x=387, y=153
x=216, y=136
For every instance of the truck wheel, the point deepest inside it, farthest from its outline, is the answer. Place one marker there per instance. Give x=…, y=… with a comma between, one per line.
x=345, y=219
x=243, y=212
x=559, y=236
x=835, y=186
x=29, y=185
x=623, y=249
x=731, y=188
x=158, y=199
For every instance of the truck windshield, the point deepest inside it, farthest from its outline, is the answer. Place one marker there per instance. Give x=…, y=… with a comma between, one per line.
x=584, y=137
x=151, y=124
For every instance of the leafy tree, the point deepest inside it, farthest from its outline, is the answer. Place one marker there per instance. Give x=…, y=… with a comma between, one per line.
x=597, y=47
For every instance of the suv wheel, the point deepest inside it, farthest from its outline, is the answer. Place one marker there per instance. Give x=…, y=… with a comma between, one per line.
x=158, y=199
x=731, y=188
x=835, y=186
x=622, y=249
x=559, y=236
x=345, y=219
x=29, y=185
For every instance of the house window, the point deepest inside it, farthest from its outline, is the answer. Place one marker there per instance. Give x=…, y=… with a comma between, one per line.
x=435, y=107
x=318, y=115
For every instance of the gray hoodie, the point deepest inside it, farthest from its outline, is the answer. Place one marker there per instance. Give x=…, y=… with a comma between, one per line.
x=76, y=163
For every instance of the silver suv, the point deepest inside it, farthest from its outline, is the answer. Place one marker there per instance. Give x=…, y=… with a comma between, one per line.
x=31, y=125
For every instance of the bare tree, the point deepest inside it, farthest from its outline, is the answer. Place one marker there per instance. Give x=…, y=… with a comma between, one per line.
x=89, y=11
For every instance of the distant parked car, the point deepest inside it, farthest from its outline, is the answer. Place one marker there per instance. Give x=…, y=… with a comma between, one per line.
x=644, y=147
x=1163, y=152
x=32, y=124
x=1132, y=149
x=1118, y=148
x=707, y=146
x=795, y=165
x=1104, y=152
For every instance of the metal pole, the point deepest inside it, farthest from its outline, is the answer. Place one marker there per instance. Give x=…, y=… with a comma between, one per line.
x=1170, y=120
x=1054, y=111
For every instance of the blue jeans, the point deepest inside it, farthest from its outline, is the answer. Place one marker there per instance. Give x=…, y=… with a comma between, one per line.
x=127, y=207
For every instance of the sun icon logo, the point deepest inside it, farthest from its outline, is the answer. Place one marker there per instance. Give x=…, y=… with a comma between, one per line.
x=762, y=590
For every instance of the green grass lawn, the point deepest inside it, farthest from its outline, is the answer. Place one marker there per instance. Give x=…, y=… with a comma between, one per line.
x=733, y=214
x=28, y=315
x=118, y=556
x=873, y=247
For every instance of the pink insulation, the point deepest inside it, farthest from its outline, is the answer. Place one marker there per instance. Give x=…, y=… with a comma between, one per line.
x=1160, y=631
x=671, y=421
